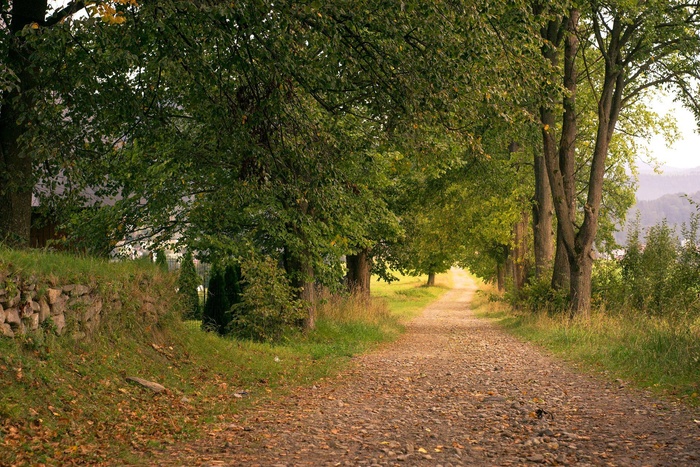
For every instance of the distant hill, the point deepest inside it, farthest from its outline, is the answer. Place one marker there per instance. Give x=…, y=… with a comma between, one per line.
x=663, y=196
x=676, y=209
x=671, y=181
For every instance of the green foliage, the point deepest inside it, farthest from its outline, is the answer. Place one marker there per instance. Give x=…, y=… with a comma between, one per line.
x=267, y=307
x=188, y=282
x=657, y=277
x=538, y=296
x=216, y=316
x=232, y=283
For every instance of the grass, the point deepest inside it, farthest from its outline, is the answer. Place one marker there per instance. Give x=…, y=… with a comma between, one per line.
x=658, y=353
x=409, y=295
x=66, y=401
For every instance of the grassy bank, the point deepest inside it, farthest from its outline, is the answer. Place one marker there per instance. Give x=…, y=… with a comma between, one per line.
x=658, y=353
x=66, y=401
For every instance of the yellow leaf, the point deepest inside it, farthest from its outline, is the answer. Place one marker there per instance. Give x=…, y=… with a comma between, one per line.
x=35, y=26
x=546, y=128
x=422, y=451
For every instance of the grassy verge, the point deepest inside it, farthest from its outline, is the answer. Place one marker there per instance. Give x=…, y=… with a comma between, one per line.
x=67, y=402
x=651, y=352
x=407, y=297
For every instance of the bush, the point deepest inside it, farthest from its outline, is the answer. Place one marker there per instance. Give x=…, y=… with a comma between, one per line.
x=267, y=307
x=188, y=281
x=663, y=277
x=538, y=295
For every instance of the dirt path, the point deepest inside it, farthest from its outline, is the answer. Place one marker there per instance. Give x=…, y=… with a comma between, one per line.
x=455, y=390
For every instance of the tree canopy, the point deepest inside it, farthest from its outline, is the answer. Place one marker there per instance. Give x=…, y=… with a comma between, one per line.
x=298, y=133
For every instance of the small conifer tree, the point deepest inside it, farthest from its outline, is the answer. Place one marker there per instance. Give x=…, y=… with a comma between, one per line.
x=232, y=277
x=161, y=260
x=187, y=283
x=216, y=310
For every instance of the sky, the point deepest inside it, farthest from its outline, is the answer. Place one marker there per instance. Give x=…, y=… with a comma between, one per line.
x=684, y=153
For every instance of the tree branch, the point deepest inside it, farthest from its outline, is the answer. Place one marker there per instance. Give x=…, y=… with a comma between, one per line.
x=63, y=13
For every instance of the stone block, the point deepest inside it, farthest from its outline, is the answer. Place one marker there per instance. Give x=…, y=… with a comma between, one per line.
x=59, y=306
x=12, y=316
x=78, y=335
x=44, y=310
x=53, y=295
x=6, y=330
x=76, y=290
x=94, y=307
x=32, y=322
x=25, y=309
x=59, y=321
x=12, y=301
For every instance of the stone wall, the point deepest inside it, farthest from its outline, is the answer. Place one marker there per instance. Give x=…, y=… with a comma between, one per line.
x=78, y=309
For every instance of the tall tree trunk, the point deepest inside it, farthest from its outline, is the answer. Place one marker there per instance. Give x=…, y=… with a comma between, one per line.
x=359, y=277
x=542, y=212
x=561, y=275
x=301, y=274
x=431, y=279
x=308, y=295
x=609, y=105
x=501, y=276
x=580, y=290
x=16, y=177
x=519, y=253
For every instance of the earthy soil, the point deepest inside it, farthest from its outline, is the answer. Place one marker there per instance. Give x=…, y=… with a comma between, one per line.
x=455, y=390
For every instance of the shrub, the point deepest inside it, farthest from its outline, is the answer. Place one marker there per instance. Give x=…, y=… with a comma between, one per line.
x=538, y=295
x=608, y=284
x=267, y=305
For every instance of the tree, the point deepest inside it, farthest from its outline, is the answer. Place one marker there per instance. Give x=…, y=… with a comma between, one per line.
x=25, y=28
x=188, y=283
x=636, y=47
x=216, y=314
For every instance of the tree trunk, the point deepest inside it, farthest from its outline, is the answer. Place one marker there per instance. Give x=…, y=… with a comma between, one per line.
x=581, y=274
x=431, y=279
x=308, y=295
x=359, y=277
x=560, y=272
x=519, y=253
x=501, y=276
x=542, y=212
x=16, y=177
x=301, y=274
